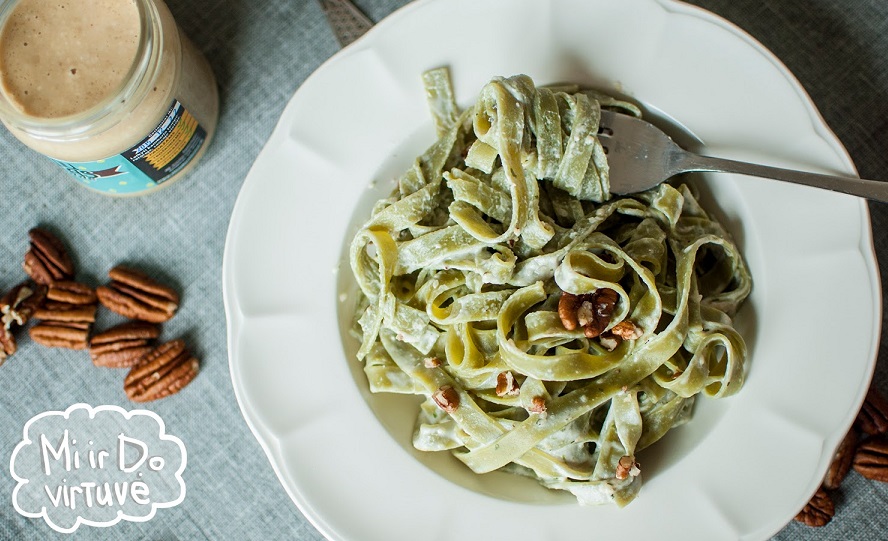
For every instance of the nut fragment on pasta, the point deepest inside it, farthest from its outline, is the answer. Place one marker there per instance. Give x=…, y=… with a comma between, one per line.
x=568, y=306
x=627, y=467
x=604, y=300
x=506, y=384
x=591, y=311
x=609, y=341
x=626, y=330
x=537, y=405
x=447, y=398
x=431, y=362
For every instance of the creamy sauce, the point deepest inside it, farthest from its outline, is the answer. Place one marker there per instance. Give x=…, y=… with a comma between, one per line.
x=59, y=58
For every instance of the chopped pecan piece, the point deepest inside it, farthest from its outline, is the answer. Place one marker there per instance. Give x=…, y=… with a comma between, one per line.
x=591, y=311
x=626, y=330
x=609, y=341
x=136, y=295
x=627, y=467
x=164, y=371
x=19, y=303
x=506, y=384
x=871, y=460
x=60, y=334
x=447, y=398
x=8, y=345
x=842, y=461
x=819, y=511
x=124, y=345
x=873, y=416
x=538, y=405
x=47, y=261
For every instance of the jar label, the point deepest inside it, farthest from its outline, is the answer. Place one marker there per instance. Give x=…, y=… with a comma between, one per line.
x=153, y=160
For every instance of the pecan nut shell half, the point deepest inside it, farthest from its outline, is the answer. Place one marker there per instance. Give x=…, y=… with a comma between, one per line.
x=124, y=345
x=48, y=260
x=136, y=295
x=164, y=371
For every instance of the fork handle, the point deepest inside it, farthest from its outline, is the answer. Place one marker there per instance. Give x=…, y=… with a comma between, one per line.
x=871, y=189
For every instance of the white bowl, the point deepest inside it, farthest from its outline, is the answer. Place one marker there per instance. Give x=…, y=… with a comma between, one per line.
x=741, y=469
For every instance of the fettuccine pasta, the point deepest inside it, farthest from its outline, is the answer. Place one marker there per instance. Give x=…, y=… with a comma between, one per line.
x=553, y=330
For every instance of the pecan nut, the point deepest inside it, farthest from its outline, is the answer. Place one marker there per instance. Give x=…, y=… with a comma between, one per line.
x=591, y=311
x=818, y=511
x=47, y=261
x=568, y=305
x=63, y=312
x=20, y=302
x=71, y=293
x=842, y=461
x=164, y=371
x=60, y=334
x=873, y=416
x=136, y=295
x=871, y=460
x=124, y=345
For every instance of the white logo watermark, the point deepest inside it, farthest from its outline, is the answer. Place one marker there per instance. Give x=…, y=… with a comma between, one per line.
x=96, y=466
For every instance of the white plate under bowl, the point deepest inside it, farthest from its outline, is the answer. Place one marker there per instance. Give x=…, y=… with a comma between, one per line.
x=740, y=470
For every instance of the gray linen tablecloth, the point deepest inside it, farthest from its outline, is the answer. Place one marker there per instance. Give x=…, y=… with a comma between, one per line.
x=261, y=51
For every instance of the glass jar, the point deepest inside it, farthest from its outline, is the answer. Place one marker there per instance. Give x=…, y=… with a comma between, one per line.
x=110, y=90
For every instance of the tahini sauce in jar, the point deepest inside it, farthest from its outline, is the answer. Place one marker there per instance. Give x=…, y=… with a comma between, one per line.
x=109, y=89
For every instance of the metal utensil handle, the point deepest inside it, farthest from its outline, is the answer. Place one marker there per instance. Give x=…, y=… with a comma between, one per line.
x=871, y=189
x=346, y=20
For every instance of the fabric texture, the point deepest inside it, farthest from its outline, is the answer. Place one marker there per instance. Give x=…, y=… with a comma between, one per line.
x=261, y=51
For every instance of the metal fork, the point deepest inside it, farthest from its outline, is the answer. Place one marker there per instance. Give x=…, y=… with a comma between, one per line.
x=642, y=156
x=346, y=20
